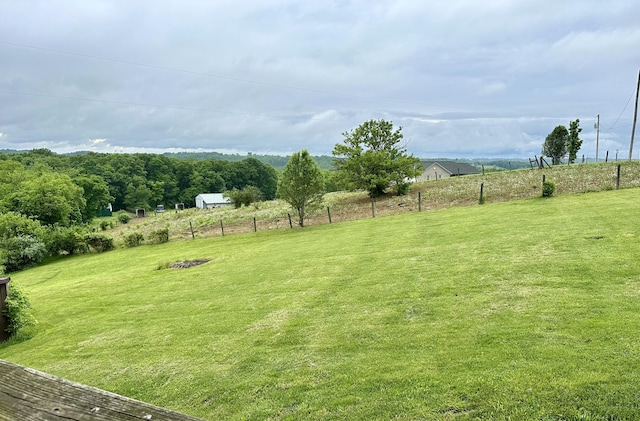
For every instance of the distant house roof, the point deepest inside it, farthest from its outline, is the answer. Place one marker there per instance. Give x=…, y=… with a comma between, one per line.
x=213, y=198
x=453, y=167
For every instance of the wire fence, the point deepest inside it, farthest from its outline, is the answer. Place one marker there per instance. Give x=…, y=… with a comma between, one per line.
x=425, y=196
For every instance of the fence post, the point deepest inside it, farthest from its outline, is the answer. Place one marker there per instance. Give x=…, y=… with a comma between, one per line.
x=4, y=321
x=373, y=208
x=255, y=227
x=618, y=179
x=193, y=237
x=222, y=228
x=606, y=159
x=329, y=213
x=481, y=200
x=419, y=201
x=290, y=224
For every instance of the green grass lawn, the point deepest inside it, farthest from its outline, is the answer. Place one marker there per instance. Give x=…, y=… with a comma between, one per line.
x=516, y=310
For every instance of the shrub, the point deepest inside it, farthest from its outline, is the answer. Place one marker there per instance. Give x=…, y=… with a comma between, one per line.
x=65, y=240
x=133, y=240
x=99, y=242
x=246, y=196
x=124, y=218
x=17, y=311
x=159, y=236
x=548, y=188
x=402, y=189
x=105, y=225
x=21, y=252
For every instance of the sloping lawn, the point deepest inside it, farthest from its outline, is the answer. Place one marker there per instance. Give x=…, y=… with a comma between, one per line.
x=520, y=310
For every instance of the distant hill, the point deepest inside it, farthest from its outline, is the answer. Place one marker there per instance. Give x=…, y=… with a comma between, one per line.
x=324, y=161
x=277, y=161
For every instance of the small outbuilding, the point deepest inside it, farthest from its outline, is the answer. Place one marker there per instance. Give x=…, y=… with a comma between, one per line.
x=211, y=200
x=434, y=170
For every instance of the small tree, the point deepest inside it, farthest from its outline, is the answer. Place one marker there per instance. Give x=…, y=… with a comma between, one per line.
x=555, y=145
x=372, y=158
x=574, y=141
x=301, y=184
x=246, y=196
x=17, y=311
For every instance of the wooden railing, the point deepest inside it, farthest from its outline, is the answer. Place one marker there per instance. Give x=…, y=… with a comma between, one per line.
x=30, y=395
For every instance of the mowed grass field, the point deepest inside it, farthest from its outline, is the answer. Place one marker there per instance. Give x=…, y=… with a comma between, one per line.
x=517, y=310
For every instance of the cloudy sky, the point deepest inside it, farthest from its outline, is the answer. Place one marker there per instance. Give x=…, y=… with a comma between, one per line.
x=463, y=78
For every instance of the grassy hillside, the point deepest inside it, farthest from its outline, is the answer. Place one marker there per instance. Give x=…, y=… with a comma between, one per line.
x=518, y=310
x=436, y=194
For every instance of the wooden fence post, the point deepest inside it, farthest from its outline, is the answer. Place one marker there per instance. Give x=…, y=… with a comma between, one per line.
x=255, y=227
x=193, y=237
x=373, y=208
x=290, y=224
x=222, y=228
x=481, y=200
x=618, y=179
x=329, y=213
x=4, y=322
x=419, y=201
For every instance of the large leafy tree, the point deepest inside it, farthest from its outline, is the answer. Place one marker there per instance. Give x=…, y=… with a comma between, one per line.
x=95, y=193
x=51, y=198
x=373, y=158
x=555, y=145
x=574, y=142
x=301, y=184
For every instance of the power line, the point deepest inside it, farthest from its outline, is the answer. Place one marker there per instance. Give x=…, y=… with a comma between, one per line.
x=236, y=79
x=623, y=110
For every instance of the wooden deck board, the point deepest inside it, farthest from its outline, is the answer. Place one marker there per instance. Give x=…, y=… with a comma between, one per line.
x=30, y=395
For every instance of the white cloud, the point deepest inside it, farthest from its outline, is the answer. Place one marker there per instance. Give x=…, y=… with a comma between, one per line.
x=462, y=77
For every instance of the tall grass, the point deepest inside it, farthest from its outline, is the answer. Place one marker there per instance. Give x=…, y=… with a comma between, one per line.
x=436, y=194
x=518, y=310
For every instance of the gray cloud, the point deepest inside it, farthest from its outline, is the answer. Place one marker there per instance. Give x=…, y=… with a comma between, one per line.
x=463, y=78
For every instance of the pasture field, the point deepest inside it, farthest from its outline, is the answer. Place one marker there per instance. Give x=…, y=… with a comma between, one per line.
x=527, y=309
x=499, y=186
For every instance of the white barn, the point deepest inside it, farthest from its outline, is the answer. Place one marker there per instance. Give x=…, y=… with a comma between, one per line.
x=211, y=200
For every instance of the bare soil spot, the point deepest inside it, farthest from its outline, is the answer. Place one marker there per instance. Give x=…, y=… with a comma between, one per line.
x=188, y=263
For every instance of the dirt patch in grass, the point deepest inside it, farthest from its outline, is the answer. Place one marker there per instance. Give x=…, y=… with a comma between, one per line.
x=188, y=263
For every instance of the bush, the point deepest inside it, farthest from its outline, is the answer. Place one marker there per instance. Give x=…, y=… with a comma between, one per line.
x=246, y=196
x=548, y=188
x=21, y=252
x=17, y=311
x=133, y=240
x=402, y=189
x=159, y=236
x=99, y=242
x=105, y=225
x=124, y=218
x=66, y=241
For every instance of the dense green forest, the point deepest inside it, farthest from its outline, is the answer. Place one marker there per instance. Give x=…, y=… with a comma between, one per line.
x=146, y=180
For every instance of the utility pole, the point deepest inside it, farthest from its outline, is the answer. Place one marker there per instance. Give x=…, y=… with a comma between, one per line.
x=597, y=127
x=635, y=117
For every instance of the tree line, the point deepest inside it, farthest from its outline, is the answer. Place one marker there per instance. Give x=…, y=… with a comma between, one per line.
x=145, y=180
